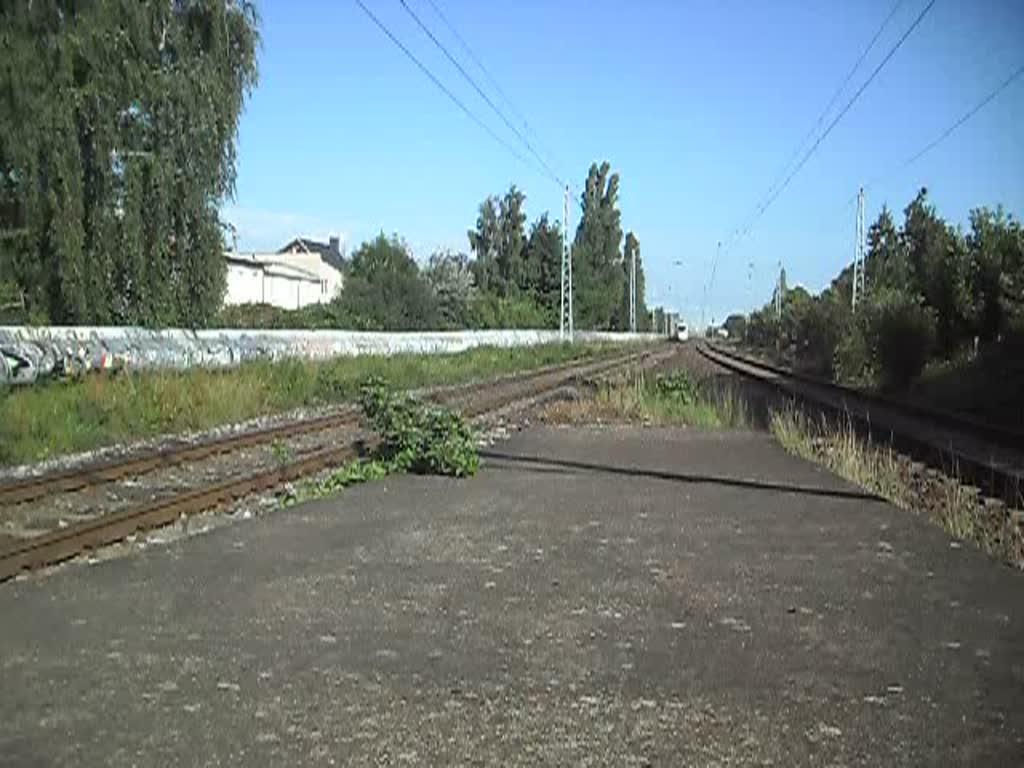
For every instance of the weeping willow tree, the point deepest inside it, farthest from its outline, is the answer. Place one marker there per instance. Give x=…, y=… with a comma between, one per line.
x=118, y=122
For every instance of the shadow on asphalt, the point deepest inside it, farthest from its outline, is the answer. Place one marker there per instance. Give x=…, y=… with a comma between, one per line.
x=565, y=466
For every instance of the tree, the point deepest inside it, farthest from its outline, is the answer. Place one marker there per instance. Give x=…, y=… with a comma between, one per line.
x=996, y=251
x=450, y=275
x=485, y=242
x=885, y=263
x=543, y=265
x=499, y=241
x=631, y=247
x=597, y=259
x=512, y=227
x=736, y=326
x=938, y=260
x=384, y=290
x=117, y=146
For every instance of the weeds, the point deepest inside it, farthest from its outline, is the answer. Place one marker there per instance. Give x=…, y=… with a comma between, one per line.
x=668, y=399
x=418, y=438
x=413, y=438
x=954, y=506
x=282, y=453
x=60, y=417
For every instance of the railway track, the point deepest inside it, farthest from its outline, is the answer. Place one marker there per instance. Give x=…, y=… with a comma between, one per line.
x=473, y=400
x=984, y=455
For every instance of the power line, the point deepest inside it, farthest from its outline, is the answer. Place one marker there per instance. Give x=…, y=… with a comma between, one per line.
x=490, y=78
x=967, y=116
x=835, y=97
x=441, y=85
x=844, y=110
x=835, y=121
x=480, y=91
x=945, y=134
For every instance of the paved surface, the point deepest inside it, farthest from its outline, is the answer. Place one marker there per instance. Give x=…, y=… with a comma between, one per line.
x=725, y=605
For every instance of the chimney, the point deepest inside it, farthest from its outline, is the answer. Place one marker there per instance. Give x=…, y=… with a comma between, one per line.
x=335, y=244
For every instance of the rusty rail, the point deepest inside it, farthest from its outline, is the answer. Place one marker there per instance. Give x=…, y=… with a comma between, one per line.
x=53, y=547
x=988, y=457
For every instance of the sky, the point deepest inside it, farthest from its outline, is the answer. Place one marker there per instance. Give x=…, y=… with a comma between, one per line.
x=698, y=105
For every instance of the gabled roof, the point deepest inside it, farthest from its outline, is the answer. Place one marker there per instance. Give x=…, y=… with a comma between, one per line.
x=327, y=251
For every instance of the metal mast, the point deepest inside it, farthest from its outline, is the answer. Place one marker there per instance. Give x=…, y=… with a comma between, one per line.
x=565, y=312
x=632, y=291
x=858, y=253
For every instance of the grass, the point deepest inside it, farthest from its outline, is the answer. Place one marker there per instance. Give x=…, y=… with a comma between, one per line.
x=955, y=507
x=61, y=417
x=673, y=400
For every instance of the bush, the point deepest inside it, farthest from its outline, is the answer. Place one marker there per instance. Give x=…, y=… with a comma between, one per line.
x=818, y=328
x=417, y=438
x=270, y=317
x=676, y=386
x=904, y=336
x=853, y=357
x=490, y=311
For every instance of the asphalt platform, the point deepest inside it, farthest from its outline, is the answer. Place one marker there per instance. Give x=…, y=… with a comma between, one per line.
x=601, y=596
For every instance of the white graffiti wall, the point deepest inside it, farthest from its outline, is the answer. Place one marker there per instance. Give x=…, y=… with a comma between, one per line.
x=29, y=355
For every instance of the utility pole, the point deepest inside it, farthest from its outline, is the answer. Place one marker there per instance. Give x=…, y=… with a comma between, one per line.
x=632, y=291
x=858, y=253
x=779, y=288
x=565, y=309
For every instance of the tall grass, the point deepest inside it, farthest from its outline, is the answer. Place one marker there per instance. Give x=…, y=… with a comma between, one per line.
x=60, y=417
x=882, y=471
x=670, y=400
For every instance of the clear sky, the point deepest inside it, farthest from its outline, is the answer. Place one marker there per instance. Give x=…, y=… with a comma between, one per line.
x=696, y=104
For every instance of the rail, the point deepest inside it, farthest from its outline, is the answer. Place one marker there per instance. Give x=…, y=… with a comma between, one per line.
x=475, y=399
x=987, y=456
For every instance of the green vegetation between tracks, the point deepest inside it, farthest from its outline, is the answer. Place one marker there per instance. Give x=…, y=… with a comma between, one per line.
x=61, y=417
x=673, y=399
x=414, y=437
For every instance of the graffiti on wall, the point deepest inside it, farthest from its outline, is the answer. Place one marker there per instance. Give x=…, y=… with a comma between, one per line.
x=29, y=355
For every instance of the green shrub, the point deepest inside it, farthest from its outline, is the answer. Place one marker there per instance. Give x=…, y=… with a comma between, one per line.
x=489, y=311
x=904, y=336
x=676, y=386
x=418, y=438
x=853, y=357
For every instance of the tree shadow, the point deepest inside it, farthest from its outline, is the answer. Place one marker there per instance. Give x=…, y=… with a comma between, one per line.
x=569, y=467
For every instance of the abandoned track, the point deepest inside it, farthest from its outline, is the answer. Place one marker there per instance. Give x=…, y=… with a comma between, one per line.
x=473, y=400
x=986, y=456
x=98, y=473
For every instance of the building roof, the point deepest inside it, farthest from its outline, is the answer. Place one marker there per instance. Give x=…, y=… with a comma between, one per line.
x=329, y=252
x=272, y=267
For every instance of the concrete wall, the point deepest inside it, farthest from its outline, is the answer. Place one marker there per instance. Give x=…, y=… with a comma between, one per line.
x=28, y=355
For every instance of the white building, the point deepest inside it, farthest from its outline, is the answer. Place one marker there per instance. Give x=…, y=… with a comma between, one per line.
x=323, y=259
x=302, y=273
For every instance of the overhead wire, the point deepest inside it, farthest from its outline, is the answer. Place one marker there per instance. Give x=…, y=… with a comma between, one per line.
x=845, y=109
x=835, y=97
x=828, y=130
x=490, y=78
x=469, y=78
x=964, y=118
x=433, y=78
x=989, y=97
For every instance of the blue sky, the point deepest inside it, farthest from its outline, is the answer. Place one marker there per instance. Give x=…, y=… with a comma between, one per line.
x=697, y=105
